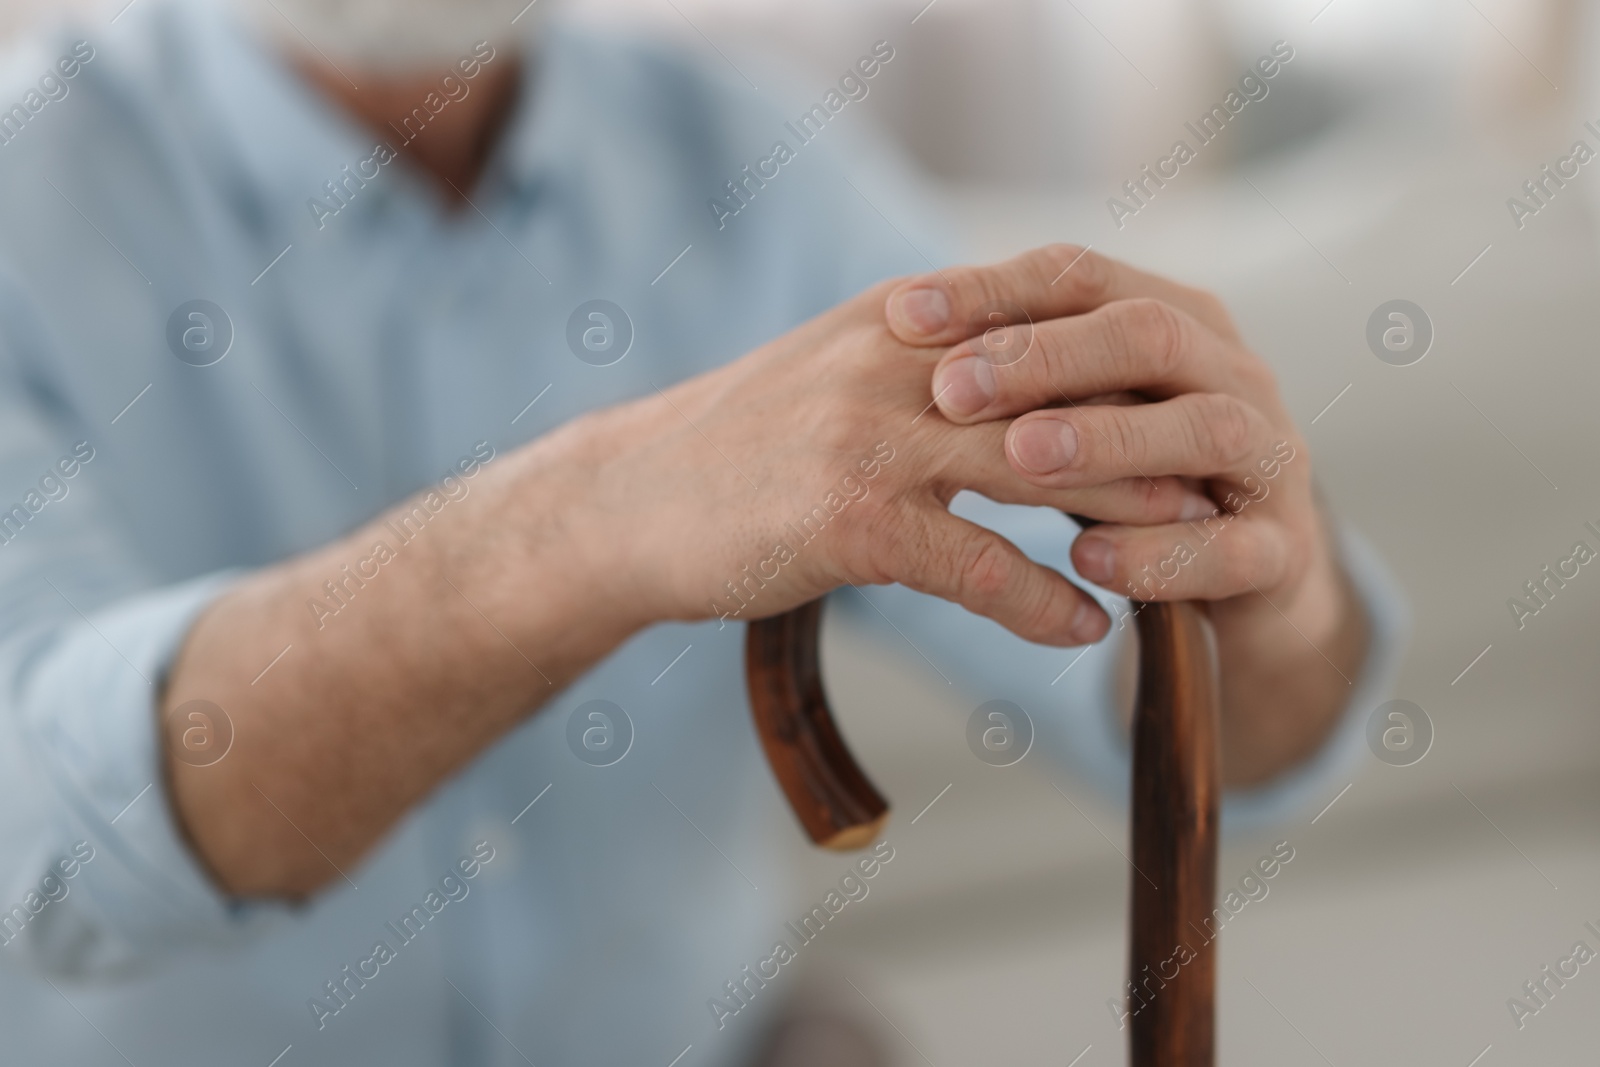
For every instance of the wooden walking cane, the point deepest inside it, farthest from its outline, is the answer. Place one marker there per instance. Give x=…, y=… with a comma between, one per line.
x=1171, y=964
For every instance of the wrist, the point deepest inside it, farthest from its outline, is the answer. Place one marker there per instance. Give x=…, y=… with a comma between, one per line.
x=1286, y=684
x=1321, y=606
x=1317, y=619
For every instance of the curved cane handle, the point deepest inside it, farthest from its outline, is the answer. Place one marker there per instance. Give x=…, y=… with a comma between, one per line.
x=833, y=799
x=1174, y=818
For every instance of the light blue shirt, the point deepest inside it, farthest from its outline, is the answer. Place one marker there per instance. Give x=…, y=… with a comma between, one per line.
x=371, y=348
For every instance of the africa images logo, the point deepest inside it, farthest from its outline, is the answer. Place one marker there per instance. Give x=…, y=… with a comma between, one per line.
x=852, y=887
x=852, y=86
x=1141, y=189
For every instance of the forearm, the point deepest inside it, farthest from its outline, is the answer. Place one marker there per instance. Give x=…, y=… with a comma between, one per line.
x=471, y=625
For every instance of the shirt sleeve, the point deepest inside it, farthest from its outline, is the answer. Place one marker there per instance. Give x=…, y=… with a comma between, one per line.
x=95, y=876
x=1068, y=694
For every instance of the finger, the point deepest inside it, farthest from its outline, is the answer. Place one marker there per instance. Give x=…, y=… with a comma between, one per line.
x=1141, y=344
x=1213, y=559
x=1134, y=501
x=976, y=458
x=1196, y=435
x=960, y=561
x=1122, y=398
x=1046, y=283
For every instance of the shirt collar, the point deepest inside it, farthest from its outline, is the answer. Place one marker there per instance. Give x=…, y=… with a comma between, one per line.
x=286, y=139
x=256, y=117
x=528, y=152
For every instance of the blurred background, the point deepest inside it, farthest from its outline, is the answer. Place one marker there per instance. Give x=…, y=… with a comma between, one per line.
x=1377, y=168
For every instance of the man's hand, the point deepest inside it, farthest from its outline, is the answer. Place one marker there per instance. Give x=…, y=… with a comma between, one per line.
x=818, y=460
x=1128, y=376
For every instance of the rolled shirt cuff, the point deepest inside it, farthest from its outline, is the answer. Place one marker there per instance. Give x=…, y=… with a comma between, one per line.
x=85, y=695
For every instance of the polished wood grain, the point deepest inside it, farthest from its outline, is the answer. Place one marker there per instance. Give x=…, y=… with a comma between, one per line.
x=1171, y=957
x=1171, y=1019
x=831, y=796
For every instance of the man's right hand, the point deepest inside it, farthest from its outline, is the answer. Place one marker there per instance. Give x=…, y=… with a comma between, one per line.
x=818, y=460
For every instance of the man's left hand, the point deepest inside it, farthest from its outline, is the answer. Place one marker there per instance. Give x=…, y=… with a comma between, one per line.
x=1108, y=373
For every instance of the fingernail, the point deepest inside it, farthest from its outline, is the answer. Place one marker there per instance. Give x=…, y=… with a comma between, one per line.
x=1196, y=507
x=1044, y=446
x=964, y=387
x=921, y=311
x=1096, y=560
x=1088, y=624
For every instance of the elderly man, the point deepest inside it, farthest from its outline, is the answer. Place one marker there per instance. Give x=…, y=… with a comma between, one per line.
x=401, y=403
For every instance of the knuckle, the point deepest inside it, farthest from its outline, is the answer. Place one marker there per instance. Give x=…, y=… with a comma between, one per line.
x=1222, y=425
x=1126, y=435
x=1096, y=274
x=871, y=518
x=1057, y=254
x=1085, y=274
x=831, y=440
x=1154, y=332
x=887, y=548
x=974, y=289
x=969, y=286
x=985, y=568
x=1003, y=342
x=1042, y=614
